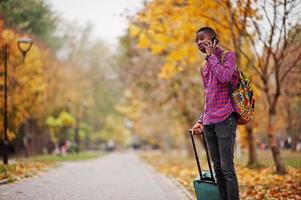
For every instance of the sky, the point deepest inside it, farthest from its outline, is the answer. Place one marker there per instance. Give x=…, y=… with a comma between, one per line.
x=106, y=16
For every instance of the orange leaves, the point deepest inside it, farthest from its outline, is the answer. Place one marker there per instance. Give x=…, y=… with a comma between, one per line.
x=255, y=184
x=22, y=169
x=168, y=26
x=143, y=41
x=264, y=184
x=1, y=24
x=168, y=70
x=134, y=30
x=8, y=35
x=26, y=83
x=164, y=26
x=177, y=60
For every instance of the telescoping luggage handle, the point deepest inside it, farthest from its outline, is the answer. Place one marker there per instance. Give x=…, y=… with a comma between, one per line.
x=197, y=157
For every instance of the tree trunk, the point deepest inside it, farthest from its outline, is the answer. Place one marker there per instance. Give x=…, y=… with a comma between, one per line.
x=294, y=143
x=278, y=161
x=189, y=121
x=25, y=138
x=188, y=145
x=291, y=126
x=251, y=146
x=87, y=141
x=76, y=135
x=189, y=125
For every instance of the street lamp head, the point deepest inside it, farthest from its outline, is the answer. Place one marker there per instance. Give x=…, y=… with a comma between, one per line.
x=24, y=45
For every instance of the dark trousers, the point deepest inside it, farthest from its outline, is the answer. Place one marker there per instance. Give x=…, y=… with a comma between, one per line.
x=221, y=138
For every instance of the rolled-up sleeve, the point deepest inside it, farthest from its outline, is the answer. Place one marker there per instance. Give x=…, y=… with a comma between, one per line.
x=200, y=120
x=223, y=72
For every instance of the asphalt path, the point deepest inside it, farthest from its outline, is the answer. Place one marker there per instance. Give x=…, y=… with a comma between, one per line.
x=116, y=176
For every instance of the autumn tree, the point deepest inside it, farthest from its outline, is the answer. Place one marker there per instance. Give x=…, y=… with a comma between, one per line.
x=96, y=68
x=31, y=17
x=65, y=70
x=292, y=94
x=276, y=38
x=167, y=27
x=26, y=86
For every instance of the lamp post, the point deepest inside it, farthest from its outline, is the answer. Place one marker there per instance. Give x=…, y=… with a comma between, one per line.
x=24, y=45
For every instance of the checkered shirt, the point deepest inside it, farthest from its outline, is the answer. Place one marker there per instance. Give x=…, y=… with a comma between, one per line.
x=216, y=78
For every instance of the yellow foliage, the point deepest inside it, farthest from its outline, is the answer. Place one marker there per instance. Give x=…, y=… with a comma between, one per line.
x=254, y=183
x=26, y=83
x=23, y=169
x=11, y=135
x=114, y=129
x=167, y=71
x=133, y=110
x=134, y=30
x=8, y=35
x=169, y=26
x=38, y=86
x=143, y=41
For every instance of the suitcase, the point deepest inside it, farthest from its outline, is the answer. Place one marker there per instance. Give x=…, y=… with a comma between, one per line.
x=205, y=183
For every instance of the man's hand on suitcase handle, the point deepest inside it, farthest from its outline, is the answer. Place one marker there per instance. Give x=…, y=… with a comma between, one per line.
x=197, y=129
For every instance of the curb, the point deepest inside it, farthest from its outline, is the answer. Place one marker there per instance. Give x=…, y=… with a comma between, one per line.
x=173, y=180
x=183, y=189
x=4, y=181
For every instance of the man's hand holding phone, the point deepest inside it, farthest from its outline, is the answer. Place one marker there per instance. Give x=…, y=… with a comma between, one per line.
x=210, y=47
x=198, y=129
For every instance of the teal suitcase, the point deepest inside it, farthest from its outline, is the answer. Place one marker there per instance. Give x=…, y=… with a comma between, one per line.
x=205, y=184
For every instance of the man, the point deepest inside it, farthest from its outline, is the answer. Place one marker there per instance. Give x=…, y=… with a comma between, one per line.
x=219, y=119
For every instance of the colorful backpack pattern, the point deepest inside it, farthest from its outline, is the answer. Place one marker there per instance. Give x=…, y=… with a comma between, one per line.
x=242, y=96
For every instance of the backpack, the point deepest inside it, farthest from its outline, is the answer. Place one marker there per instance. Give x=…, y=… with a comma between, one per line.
x=243, y=96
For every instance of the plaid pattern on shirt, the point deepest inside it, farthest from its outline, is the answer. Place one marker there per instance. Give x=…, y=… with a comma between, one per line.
x=216, y=78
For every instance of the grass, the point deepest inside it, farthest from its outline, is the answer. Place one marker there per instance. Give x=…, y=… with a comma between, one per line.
x=256, y=183
x=26, y=167
x=22, y=169
x=265, y=158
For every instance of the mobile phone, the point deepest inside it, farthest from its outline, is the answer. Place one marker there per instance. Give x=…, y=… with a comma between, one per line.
x=214, y=39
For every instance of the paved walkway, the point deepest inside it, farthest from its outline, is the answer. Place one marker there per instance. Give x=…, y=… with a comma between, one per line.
x=117, y=176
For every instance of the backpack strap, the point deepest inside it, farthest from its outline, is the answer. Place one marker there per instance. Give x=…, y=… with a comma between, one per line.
x=222, y=62
x=223, y=56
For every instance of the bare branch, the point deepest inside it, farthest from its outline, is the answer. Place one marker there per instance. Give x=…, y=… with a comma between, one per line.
x=231, y=13
x=291, y=67
x=214, y=20
x=231, y=22
x=252, y=64
x=292, y=38
x=283, y=27
x=266, y=14
x=288, y=52
x=270, y=40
